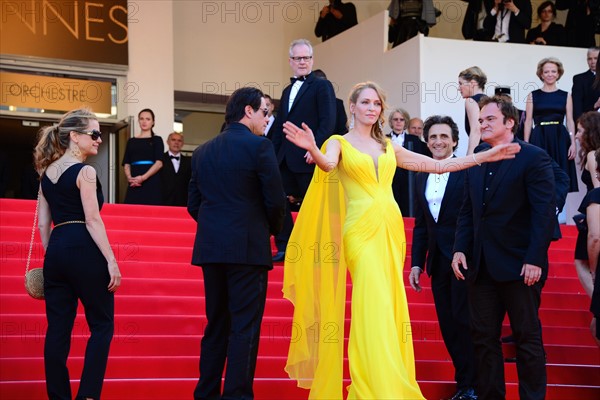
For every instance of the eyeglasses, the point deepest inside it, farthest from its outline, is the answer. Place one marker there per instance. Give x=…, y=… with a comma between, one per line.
x=398, y=119
x=305, y=58
x=94, y=134
x=265, y=111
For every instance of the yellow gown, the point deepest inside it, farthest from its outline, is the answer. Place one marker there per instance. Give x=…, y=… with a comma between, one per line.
x=349, y=220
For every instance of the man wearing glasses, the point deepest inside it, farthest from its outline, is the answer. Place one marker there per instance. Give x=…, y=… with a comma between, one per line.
x=237, y=199
x=306, y=100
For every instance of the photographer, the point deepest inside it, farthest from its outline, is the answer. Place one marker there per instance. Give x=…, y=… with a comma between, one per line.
x=335, y=18
x=547, y=32
x=509, y=20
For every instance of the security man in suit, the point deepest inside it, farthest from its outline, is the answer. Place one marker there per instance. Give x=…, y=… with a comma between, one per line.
x=237, y=198
x=583, y=93
x=308, y=100
x=438, y=198
x=175, y=173
x=501, y=245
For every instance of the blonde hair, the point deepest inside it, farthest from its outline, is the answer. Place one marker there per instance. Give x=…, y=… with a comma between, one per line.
x=54, y=140
x=376, y=129
x=474, y=74
x=551, y=60
x=404, y=113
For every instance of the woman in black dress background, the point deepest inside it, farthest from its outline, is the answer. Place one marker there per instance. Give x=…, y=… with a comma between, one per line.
x=548, y=107
x=79, y=263
x=471, y=84
x=591, y=206
x=588, y=134
x=547, y=32
x=142, y=161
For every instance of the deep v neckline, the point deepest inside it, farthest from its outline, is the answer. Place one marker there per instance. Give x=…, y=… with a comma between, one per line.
x=374, y=161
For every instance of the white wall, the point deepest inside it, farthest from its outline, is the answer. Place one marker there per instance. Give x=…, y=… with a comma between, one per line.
x=421, y=75
x=150, y=79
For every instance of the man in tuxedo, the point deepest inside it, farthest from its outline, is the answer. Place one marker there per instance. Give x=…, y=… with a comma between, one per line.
x=271, y=107
x=309, y=100
x=175, y=173
x=438, y=198
x=501, y=248
x=236, y=197
x=403, y=184
x=508, y=20
x=583, y=94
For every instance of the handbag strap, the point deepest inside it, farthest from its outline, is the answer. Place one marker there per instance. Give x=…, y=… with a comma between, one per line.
x=35, y=217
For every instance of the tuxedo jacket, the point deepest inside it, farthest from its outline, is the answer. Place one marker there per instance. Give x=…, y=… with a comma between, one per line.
x=175, y=184
x=517, y=25
x=315, y=106
x=430, y=238
x=583, y=94
x=237, y=198
x=401, y=183
x=469, y=25
x=512, y=222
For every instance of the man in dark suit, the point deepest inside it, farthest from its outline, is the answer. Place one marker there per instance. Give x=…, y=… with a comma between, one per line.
x=583, y=93
x=308, y=100
x=237, y=198
x=581, y=21
x=473, y=26
x=438, y=198
x=335, y=18
x=403, y=184
x=341, y=119
x=504, y=230
x=508, y=20
x=175, y=173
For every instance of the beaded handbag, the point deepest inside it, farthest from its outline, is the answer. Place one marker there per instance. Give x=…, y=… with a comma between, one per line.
x=34, y=278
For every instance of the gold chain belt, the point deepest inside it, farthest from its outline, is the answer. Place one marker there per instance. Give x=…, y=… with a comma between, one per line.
x=69, y=222
x=550, y=123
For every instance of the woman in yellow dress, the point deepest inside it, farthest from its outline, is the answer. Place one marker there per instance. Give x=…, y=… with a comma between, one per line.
x=349, y=219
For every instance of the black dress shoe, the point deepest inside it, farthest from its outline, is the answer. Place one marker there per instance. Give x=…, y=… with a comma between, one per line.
x=465, y=394
x=279, y=256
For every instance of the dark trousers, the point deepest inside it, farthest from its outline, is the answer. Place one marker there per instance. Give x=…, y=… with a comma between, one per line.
x=235, y=301
x=489, y=301
x=450, y=298
x=295, y=184
x=67, y=279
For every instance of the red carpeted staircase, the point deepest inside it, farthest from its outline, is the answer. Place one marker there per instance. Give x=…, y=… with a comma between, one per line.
x=160, y=318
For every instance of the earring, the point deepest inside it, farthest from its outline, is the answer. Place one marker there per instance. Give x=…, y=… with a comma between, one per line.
x=351, y=126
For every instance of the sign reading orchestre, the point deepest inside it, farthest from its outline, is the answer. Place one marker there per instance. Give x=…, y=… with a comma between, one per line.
x=54, y=93
x=85, y=30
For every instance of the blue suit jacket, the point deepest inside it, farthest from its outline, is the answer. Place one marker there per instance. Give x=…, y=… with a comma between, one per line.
x=315, y=106
x=432, y=238
x=512, y=223
x=237, y=198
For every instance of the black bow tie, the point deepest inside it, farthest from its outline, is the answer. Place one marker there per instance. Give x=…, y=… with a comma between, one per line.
x=174, y=157
x=293, y=79
x=396, y=134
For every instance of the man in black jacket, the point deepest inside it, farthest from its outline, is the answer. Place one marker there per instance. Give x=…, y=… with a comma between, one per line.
x=237, y=198
x=438, y=198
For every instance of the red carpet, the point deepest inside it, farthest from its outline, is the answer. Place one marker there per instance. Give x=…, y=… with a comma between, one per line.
x=160, y=318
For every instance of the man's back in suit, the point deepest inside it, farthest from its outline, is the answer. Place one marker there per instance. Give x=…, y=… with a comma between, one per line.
x=236, y=196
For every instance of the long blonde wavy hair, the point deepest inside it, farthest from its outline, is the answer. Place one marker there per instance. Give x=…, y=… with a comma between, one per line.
x=377, y=128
